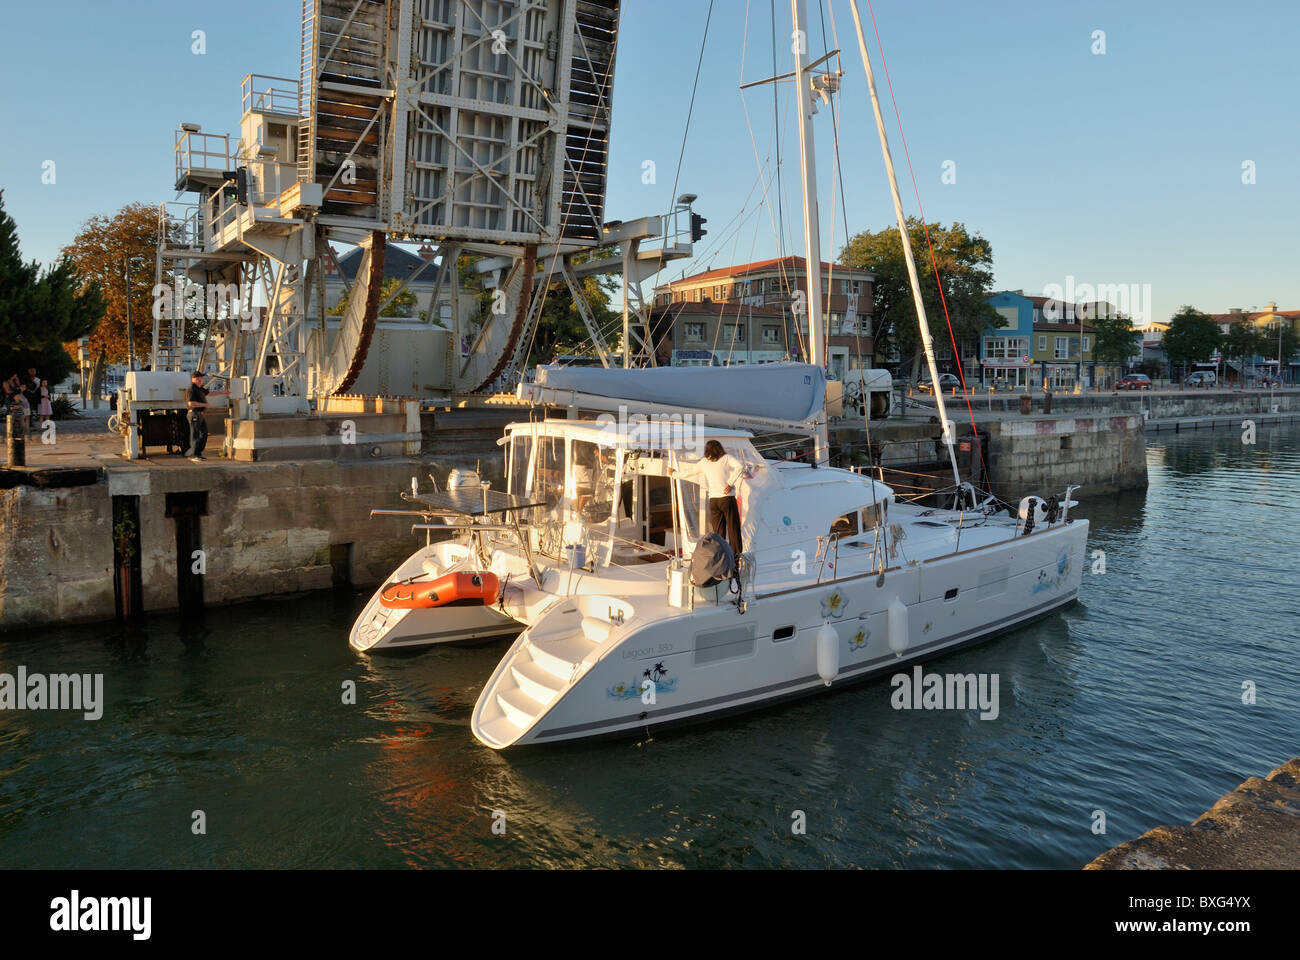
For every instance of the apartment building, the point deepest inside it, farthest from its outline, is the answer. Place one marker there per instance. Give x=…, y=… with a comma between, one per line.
x=756, y=313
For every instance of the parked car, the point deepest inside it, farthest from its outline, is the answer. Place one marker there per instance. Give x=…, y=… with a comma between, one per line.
x=1134, y=381
x=947, y=382
x=1201, y=378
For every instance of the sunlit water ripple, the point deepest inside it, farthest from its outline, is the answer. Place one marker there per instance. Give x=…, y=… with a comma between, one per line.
x=1129, y=703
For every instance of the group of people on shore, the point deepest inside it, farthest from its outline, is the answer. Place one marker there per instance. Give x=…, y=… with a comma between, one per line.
x=29, y=395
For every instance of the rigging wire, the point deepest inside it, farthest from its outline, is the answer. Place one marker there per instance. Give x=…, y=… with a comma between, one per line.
x=690, y=110
x=609, y=75
x=780, y=195
x=979, y=446
x=777, y=231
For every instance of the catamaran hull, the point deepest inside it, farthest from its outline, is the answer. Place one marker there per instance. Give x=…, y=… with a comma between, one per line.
x=768, y=698
x=719, y=661
x=380, y=627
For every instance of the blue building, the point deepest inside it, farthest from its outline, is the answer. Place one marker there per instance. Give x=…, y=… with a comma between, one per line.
x=1006, y=354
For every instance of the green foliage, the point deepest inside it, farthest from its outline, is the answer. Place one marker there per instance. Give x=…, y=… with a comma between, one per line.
x=100, y=252
x=560, y=328
x=965, y=263
x=1192, y=337
x=64, y=409
x=41, y=310
x=1113, y=339
x=1155, y=369
x=1243, y=341
x=124, y=536
x=1290, y=342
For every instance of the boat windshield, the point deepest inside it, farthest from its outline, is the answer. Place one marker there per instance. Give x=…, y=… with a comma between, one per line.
x=576, y=482
x=517, y=476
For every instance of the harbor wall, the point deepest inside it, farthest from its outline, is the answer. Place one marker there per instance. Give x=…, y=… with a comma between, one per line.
x=1103, y=454
x=1158, y=405
x=1255, y=827
x=264, y=529
x=1021, y=455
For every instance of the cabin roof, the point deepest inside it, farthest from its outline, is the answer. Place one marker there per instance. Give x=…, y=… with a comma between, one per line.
x=655, y=434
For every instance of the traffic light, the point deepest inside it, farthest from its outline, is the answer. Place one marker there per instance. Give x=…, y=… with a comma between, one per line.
x=697, y=227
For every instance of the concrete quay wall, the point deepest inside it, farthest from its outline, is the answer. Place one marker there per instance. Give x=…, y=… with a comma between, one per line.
x=265, y=529
x=1255, y=827
x=1103, y=454
x=1157, y=404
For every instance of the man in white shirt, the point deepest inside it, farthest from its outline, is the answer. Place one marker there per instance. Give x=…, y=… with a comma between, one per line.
x=720, y=472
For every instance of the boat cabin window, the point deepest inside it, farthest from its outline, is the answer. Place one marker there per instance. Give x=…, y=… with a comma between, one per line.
x=873, y=516
x=845, y=526
x=692, y=508
x=521, y=449
x=859, y=521
x=591, y=478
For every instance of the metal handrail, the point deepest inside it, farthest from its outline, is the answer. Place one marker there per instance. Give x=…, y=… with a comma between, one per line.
x=186, y=152
x=269, y=98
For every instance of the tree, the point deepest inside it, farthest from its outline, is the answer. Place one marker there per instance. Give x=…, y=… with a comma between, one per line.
x=1242, y=342
x=1283, y=343
x=1192, y=337
x=400, y=307
x=40, y=311
x=101, y=250
x=1113, y=339
x=965, y=263
x=560, y=328
x=1153, y=368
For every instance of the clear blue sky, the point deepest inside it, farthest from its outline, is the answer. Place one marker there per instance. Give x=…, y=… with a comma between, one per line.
x=1117, y=168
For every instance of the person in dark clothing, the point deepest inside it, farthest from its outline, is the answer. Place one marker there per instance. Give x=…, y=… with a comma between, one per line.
x=197, y=402
x=32, y=391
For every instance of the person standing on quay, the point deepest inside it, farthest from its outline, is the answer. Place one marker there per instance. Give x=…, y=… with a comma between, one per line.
x=32, y=391
x=46, y=409
x=197, y=403
x=721, y=472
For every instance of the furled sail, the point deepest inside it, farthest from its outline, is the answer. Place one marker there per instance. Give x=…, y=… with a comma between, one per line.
x=792, y=392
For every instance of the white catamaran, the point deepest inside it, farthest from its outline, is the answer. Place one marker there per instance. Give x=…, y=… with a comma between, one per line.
x=585, y=555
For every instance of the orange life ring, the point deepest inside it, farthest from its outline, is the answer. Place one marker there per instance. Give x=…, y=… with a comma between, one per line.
x=462, y=588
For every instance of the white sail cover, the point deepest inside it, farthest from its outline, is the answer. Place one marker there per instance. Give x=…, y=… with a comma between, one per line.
x=778, y=391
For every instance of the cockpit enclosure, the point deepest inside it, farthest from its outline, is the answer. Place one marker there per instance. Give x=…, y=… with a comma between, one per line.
x=607, y=490
x=606, y=496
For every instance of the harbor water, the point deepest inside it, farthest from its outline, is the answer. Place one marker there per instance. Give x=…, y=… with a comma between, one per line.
x=1130, y=703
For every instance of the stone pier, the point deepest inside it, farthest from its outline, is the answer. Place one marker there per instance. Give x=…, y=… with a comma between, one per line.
x=1255, y=827
x=275, y=526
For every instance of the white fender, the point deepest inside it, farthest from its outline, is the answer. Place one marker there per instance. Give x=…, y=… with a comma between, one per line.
x=896, y=626
x=828, y=653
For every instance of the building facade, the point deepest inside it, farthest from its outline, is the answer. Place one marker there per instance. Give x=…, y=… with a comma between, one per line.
x=1045, y=342
x=1267, y=323
x=756, y=313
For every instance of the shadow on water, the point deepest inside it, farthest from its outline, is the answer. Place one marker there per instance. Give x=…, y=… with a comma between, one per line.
x=301, y=754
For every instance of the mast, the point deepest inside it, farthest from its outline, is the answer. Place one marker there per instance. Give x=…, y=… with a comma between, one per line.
x=811, y=227
x=926, y=340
